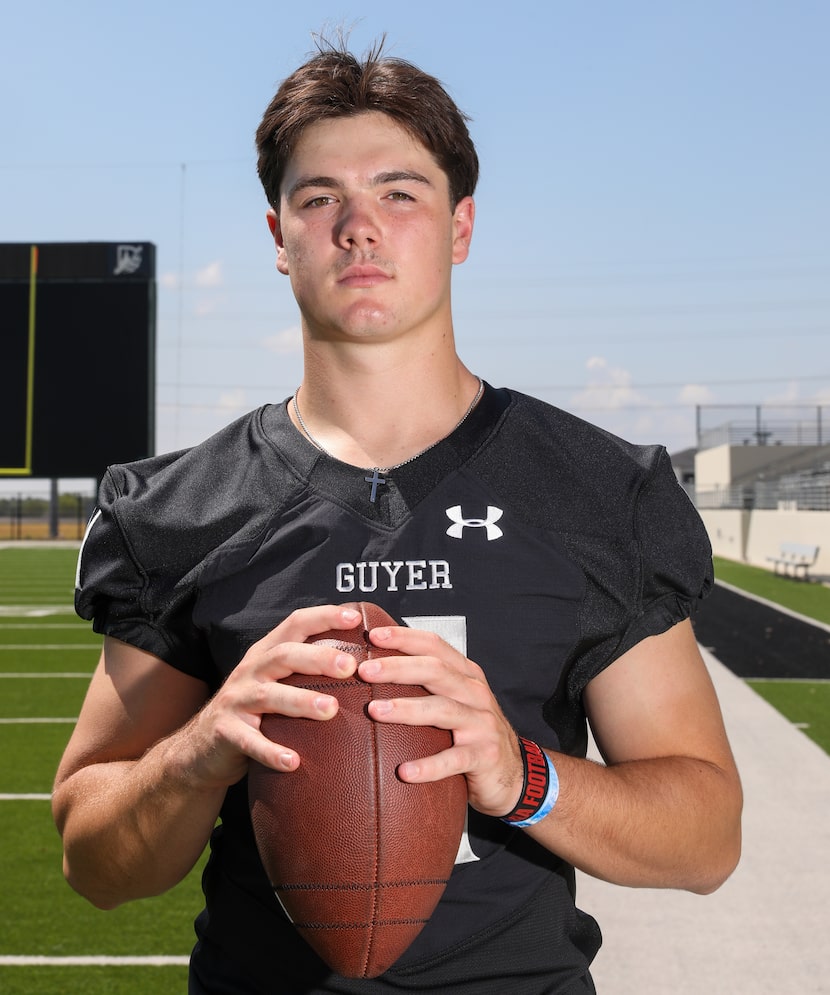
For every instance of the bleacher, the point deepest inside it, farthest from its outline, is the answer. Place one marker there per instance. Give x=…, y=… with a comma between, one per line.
x=762, y=486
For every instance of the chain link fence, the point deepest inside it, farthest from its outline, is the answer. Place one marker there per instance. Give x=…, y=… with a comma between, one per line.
x=34, y=513
x=762, y=425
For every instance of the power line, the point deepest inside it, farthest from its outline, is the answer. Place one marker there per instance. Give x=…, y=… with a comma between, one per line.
x=557, y=386
x=86, y=166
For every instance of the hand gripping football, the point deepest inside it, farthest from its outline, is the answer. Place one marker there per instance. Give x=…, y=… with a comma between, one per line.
x=358, y=858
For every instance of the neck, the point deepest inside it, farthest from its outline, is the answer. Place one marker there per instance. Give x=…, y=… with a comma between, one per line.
x=381, y=418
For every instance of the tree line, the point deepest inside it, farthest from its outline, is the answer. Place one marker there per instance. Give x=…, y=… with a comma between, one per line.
x=22, y=506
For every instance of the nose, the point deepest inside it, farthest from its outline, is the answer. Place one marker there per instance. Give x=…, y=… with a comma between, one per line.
x=358, y=225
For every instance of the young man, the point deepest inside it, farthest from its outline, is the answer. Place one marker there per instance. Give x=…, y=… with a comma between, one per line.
x=546, y=570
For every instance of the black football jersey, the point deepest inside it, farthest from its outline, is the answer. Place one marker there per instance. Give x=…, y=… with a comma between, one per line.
x=540, y=546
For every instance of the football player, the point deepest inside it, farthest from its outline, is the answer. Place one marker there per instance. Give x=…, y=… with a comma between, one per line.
x=543, y=571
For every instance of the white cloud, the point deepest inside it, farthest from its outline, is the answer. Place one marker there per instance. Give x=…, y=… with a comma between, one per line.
x=608, y=388
x=287, y=342
x=791, y=393
x=695, y=393
x=233, y=400
x=210, y=275
x=610, y=400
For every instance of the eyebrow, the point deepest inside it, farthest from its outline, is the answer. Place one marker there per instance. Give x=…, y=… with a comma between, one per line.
x=391, y=176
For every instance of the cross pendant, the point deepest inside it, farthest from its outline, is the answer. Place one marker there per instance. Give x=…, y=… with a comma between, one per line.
x=374, y=480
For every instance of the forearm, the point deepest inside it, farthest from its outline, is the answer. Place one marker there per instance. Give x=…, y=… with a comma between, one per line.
x=144, y=775
x=133, y=829
x=669, y=822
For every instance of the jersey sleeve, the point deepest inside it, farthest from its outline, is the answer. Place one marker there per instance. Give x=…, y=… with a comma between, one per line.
x=664, y=574
x=142, y=599
x=675, y=556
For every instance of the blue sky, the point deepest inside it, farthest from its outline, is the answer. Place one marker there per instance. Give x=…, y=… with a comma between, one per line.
x=653, y=226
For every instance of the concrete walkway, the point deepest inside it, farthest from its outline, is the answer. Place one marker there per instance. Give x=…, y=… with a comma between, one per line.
x=767, y=930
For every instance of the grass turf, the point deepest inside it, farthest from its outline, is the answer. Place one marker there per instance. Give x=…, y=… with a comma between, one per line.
x=31, y=754
x=40, y=915
x=43, y=576
x=45, y=917
x=47, y=631
x=806, y=704
x=41, y=697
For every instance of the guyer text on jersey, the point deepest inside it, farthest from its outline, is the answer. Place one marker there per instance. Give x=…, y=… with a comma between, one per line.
x=392, y=575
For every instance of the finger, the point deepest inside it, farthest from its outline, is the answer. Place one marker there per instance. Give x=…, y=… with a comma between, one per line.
x=428, y=769
x=493, y=775
x=421, y=710
x=424, y=711
x=422, y=643
x=285, y=650
x=260, y=748
x=309, y=659
x=414, y=642
x=225, y=741
x=304, y=623
x=279, y=698
x=458, y=679
x=238, y=719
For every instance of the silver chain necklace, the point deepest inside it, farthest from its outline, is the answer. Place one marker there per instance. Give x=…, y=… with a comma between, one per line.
x=376, y=479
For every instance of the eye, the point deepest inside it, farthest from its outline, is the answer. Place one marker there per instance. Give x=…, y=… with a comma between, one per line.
x=400, y=195
x=322, y=200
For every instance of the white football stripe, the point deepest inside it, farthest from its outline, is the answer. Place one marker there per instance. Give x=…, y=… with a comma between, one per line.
x=92, y=522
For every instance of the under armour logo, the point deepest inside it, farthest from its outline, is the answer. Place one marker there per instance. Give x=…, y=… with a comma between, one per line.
x=456, y=531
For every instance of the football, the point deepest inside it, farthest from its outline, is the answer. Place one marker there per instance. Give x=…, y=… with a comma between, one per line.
x=357, y=858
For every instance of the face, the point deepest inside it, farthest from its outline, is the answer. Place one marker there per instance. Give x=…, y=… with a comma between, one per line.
x=366, y=232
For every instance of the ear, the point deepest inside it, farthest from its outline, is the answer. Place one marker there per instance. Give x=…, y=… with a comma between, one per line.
x=276, y=233
x=463, y=218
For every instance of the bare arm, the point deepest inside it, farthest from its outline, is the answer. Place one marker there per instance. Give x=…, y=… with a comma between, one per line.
x=122, y=783
x=144, y=775
x=665, y=812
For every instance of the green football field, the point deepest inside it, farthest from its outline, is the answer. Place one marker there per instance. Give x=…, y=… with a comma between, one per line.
x=52, y=942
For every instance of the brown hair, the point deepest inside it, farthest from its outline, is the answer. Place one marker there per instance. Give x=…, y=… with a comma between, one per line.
x=334, y=83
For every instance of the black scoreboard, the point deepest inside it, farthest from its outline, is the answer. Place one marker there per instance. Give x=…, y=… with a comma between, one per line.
x=77, y=355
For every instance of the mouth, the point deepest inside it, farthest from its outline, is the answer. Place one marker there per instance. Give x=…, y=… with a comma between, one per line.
x=359, y=276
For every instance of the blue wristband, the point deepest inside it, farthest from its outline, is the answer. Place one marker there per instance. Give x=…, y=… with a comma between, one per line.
x=539, y=790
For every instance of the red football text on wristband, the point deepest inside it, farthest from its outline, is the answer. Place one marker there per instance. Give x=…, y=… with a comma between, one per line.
x=539, y=790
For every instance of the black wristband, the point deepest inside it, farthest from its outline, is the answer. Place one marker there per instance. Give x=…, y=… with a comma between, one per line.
x=540, y=787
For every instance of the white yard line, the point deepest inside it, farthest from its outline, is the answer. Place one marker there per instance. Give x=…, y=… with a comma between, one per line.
x=18, y=797
x=42, y=625
x=68, y=673
x=151, y=961
x=36, y=722
x=35, y=611
x=50, y=646
x=787, y=680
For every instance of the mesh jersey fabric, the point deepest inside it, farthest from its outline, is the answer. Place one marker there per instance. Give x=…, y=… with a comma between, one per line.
x=541, y=546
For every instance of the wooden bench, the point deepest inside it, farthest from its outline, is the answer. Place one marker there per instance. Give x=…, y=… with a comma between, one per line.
x=794, y=557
